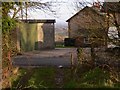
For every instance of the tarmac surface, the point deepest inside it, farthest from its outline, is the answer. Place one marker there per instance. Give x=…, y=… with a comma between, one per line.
x=60, y=57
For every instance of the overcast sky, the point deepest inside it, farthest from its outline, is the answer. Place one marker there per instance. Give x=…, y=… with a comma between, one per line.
x=63, y=10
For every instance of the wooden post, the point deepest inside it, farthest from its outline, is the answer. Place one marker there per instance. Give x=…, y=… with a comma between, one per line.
x=79, y=55
x=26, y=9
x=72, y=62
x=73, y=67
x=21, y=11
x=92, y=54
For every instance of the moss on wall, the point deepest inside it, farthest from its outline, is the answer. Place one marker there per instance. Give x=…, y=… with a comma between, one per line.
x=28, y=36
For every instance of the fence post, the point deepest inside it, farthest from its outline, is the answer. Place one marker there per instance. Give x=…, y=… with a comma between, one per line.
x=72, y=61
x=79, y=55
x=92, y=55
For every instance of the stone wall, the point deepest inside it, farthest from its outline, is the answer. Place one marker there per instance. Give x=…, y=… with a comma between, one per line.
x=28, y=36
x=85, y=20
x=46, y=36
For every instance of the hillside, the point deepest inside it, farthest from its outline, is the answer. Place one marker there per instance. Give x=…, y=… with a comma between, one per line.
x=61, y=32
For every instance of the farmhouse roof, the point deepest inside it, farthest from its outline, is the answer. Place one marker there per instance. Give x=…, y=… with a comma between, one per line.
x=97, y=12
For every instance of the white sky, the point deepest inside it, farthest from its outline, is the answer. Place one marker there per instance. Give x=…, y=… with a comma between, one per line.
x=64, y=9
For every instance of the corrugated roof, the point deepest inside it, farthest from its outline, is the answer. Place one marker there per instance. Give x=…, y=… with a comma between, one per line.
x=39, y=20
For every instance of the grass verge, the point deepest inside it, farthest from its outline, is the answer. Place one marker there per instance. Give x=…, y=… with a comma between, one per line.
x=45, y=78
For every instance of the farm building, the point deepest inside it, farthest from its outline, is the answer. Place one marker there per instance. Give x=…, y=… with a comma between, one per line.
x=36, y=35
x=88, y=25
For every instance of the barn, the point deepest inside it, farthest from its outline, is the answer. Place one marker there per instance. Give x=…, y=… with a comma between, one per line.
x=36, y=35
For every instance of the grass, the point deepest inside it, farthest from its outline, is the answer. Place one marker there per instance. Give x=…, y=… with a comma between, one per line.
x=62, y=46
x=16, y=78
x=45, y=78
x=42, y=78
x=95, y=78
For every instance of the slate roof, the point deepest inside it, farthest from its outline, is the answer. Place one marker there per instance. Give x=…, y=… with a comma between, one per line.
x=97, y=12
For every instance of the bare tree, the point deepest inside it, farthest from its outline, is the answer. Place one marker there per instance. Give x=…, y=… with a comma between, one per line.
x=113, y=10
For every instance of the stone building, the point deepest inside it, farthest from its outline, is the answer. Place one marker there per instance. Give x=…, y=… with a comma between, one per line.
x=36, y=35
x=88, y=25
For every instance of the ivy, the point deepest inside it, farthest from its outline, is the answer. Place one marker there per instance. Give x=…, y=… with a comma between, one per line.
x=8, y=47
x=7, y=24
